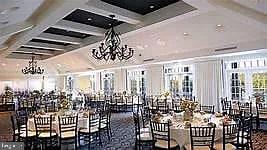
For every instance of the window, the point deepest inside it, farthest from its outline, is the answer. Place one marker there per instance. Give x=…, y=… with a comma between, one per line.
x=246, y=77
x=136, y=81
x=108, y=83
x=259, y=81
x=179, y=80
x=237, y=86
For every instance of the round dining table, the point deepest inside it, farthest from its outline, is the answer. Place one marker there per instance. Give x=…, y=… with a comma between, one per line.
x=181, y=133
x=82, y=122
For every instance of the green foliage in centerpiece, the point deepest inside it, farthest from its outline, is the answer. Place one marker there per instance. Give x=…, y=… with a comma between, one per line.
x=64, y=104
x=187, y=105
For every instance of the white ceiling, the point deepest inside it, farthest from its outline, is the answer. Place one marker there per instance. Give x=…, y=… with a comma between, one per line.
x=185, y=36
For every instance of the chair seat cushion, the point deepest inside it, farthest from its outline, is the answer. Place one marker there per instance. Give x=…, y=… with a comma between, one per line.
x=142, y=130
x=47, y=134
x=30, y=134
x=92, y=130
x=219, y=146
x=68, y=134
x=164, y=144
x=263, y=116
x=145, y=137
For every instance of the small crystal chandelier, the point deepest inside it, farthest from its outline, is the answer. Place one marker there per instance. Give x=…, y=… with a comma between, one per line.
x=110, y=48
x=32, y=68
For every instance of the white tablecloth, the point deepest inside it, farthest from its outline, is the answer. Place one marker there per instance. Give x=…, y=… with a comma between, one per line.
x=182, y=135
x=82, y=123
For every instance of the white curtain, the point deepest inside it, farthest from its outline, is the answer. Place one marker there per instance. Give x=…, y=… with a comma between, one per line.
x=208, y=81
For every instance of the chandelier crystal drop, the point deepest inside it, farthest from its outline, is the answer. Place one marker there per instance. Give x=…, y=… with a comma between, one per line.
x=32, y=68
x=111, y=48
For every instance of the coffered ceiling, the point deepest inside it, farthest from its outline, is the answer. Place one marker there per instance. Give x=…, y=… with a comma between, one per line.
x=62, y=33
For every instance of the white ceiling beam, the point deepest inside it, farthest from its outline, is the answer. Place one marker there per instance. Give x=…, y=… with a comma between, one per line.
x=78, y=27
x=3, y=47
x=105, y=9
x=45, y=46
x=59, y=38
x=53, y=12
x=14, y=29
x=35, y=51
x=26, y=56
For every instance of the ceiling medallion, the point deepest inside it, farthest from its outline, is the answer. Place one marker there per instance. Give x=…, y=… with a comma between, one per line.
x=32, y=68
x=110, y=48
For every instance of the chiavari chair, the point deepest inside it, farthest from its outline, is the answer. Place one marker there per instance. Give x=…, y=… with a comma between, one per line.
x=68, y=129
x=161, y=136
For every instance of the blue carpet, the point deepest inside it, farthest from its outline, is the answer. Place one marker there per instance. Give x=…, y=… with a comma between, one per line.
x=122, y=134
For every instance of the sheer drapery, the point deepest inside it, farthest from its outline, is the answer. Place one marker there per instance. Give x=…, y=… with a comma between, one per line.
x=209, y=83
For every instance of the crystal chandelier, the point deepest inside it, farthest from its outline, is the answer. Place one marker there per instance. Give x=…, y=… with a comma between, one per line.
x=32, y=68
x=110, y=48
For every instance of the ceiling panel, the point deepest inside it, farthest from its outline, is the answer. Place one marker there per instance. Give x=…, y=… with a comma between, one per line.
x=49, y=42
x=85, y=17
x=66, y=33
x=141, y=6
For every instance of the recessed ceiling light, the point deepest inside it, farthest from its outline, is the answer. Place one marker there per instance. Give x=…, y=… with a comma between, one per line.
x=219, y=25
x=151, y=6
x=146, y=46
x=3, y=64
x=140, y=47
x=89, y=19
x=185, y=34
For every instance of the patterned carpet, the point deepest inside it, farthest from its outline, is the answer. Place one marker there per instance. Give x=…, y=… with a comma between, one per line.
x=123, y=135
x=260, y=141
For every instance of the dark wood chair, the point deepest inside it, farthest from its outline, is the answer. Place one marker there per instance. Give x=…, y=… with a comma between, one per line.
x=46, y=135
x=202, y=137
x=161, y=136
x=261, y=114
x=141, y=138
x=243, y=139
x=176, y=106
x=162, y=105
x=207, y=108
x=24, y=134
x=93, y=130
x=68, y=129
x=105, y=122
x=226, y=106
x=230, y=132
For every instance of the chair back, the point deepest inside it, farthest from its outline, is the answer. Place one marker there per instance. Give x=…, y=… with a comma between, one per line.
x=226, y=105
x=230, y=132
x=261, y=108
x=207, y=108
x=245, y=107
x=43, y=124
x=94, y=121
x=202, y=136
x=245, y=129
x=160, y=131
x=176, y=106
x=162, y=105
x=67, y=124
x=136, y=126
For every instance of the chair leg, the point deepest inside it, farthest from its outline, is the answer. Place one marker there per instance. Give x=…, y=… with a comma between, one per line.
x=76, y=146
x=99, y=136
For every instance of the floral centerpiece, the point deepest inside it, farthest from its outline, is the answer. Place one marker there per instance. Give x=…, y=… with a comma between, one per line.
x=64, y=105
x=188, y=107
